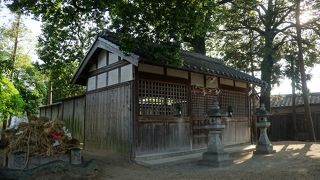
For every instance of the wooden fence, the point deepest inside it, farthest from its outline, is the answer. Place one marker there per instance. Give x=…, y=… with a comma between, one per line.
x=71, y=111
x=109, y=120
x=282, y=127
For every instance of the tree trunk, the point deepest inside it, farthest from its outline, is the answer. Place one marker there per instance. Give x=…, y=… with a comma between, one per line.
x=266, y=71
x=14, y=53
x=268, y=59
x=199, y=44
x=307, y=111
x=294, y=112
x=16, y=37
x=49, y=92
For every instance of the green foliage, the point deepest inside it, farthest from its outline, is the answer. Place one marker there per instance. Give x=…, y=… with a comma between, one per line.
x=28, y=83
x=251, y=35
x=261, y=31
x=68, y=28
x=4, y=53
x=10, y=100
x=165, y=23
x=256, y=29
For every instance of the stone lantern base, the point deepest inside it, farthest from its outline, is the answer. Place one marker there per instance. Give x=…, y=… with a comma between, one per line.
x=215, y=155
x=215, y=159
x=264, y=145
x=264, y=149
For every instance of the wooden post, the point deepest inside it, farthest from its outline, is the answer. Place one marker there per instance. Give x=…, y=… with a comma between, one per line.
x=190, y=110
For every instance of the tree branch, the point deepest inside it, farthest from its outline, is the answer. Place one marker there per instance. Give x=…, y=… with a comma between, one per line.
x=244, y=27
x=276, y=46
x=224, y=2
x=276, y=31
x=264, y=8
x=290, y=9
x=314, y=29
x=254, y=29
x=260, y=16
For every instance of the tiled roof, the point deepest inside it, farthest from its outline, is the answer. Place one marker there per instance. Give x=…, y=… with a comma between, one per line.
x=199, y=63
x=204, y=64
x=286, y=100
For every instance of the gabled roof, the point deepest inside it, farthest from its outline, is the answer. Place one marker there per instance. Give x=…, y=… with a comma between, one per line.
x=191, y=61
x=286, y=100
x=101, y=43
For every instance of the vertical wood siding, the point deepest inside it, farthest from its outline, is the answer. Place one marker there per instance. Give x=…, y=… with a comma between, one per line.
x=163, y=133
x=109, y=120
x=238, y=126
x=73, y=116
x=282, y=127
x=71, y=111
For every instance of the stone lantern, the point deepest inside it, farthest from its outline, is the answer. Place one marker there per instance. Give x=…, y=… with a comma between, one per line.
x=264, y=145
x=215, y=155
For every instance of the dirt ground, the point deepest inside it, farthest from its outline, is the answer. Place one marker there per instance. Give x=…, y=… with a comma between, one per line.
x=293, y=160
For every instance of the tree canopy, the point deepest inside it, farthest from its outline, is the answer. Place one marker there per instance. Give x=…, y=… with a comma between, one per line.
x=249, y=35
x=22, y=85
x=10, y=100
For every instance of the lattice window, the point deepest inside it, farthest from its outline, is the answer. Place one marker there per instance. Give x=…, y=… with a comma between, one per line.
x=238, y=101
x=202, y=102
x=161, y=98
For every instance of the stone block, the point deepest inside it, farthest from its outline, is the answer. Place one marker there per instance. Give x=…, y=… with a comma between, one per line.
x=215, y=159
x=75, y=156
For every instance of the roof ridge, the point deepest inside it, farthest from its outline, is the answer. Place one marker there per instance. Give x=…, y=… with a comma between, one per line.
x=298, y=95
x=202, y=57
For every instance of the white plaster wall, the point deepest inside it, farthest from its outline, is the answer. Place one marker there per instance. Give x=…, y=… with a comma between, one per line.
x=112, y=58
x=228, y=82
x=91, y=83
x=197, y=79
x=113, y=77
x=240, y=84
x=102, y=59
x=177, y=73
x=151, y=69
x=126, y=73
x=102, y=80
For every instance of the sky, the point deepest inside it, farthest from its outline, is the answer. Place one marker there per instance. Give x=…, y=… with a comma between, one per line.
x=285, y=84
x=35, y=28
x=33, y=25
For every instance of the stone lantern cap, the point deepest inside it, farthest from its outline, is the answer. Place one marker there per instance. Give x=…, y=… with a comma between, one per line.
x=262, y=112
x=215, y=110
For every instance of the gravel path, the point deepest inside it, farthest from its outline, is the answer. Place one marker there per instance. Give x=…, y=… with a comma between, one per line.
x=293, y=160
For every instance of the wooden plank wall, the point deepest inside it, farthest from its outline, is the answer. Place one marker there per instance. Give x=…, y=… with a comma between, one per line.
x=236, y=131
x=71, y=111
x=109, y=120
x=163, y=133
x=73, y=116
x=51, y=111
x=281, y=126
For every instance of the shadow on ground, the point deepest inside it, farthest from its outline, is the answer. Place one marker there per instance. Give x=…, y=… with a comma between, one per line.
x=293, y=160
